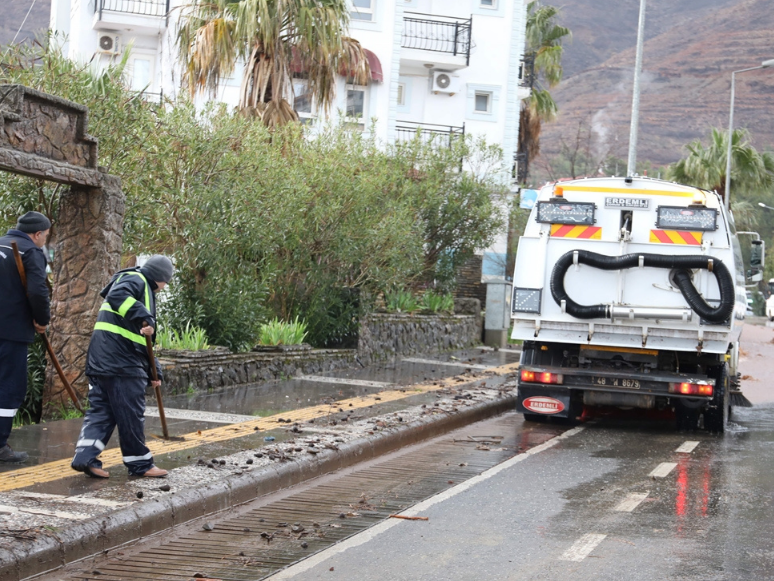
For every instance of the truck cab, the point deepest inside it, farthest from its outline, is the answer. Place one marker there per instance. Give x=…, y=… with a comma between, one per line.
x=630, y=293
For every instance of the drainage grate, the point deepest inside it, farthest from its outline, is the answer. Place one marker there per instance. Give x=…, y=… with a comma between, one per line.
x=266, y=536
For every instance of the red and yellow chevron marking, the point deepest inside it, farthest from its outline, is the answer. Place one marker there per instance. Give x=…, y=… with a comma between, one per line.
x=570, y=231
x=675, y=237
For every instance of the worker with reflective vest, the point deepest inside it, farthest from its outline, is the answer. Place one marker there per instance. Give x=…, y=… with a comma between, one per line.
x=118, y=369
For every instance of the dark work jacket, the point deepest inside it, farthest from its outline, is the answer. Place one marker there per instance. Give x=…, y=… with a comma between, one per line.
x=16, y=310
x=117, y=347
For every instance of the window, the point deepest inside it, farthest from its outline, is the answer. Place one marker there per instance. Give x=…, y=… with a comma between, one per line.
x=401, y=94
x=357, y=102
x=302, y=98
x=363, y=10
x=489, y=4
x=141, y=74
x=483, y=102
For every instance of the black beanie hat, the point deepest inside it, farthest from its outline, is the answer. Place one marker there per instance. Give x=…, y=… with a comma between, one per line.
x=33, y=222
x=158, y=268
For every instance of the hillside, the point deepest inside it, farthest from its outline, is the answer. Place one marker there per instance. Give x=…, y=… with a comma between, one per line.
x=14, y=12
x=689, y=54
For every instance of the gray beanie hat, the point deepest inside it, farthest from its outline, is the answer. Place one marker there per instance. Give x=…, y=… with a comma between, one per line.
x=158, y=268
x=33, y=222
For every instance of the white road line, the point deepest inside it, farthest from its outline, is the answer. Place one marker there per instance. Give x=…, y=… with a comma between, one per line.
x=345, y=381
x=663, y=469
x=632, y=501
x=514, y=351
x=582, y=547
x=687, y=447
x=75, y=499
x=450, y=363
x=415, y=510
x=57, y=513
x=199, y=416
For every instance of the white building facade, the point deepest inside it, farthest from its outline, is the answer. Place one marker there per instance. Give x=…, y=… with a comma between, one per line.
x=451, y=67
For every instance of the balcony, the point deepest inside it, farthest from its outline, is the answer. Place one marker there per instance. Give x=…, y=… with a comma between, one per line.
x=138, y=16
x=448, y=38
x=439, y=135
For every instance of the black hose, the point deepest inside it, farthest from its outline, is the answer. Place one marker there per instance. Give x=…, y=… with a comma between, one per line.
x=681, y=278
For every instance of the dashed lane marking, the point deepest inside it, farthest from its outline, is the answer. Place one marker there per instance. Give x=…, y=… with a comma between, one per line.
x=214, y=417
x=582, y=547
x=687, y=447
x=345, y=381
x=58, y=469
x=73, y=499
x=632, y=501
x=450, y=363
x=663, y=470
x=57, y=513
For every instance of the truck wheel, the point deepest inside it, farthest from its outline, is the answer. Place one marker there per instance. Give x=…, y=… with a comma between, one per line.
x=716, y=416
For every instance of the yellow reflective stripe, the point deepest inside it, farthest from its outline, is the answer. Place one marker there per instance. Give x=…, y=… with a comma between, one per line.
x=102, y=326
x=127, y=304
x=106, y=307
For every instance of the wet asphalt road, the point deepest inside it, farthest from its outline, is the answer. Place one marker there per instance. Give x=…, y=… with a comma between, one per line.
x=591, y=508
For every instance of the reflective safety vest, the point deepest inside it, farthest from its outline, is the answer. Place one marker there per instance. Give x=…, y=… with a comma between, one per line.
x=121, y=312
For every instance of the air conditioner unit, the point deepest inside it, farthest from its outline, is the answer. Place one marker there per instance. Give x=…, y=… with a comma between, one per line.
x=110, y=43
x=445, y=82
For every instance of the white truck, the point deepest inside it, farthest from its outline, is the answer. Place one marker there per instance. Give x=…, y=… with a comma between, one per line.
x=630, y=293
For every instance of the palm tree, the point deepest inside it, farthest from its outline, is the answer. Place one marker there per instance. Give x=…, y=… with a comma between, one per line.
x=544, y=54
x=275, y=39
x=705, y=167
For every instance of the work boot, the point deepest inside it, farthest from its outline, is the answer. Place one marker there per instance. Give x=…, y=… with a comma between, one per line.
x=155, y=472
x=8, y=456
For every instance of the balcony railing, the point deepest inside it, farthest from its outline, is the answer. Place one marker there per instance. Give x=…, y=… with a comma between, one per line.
x=141, y=7
x=441, y=135
x=438, y=34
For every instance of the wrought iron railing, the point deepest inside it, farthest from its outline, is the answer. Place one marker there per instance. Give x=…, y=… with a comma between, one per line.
x=142, y=7
x=438, y=34
x=527, y=70
x=441, y=135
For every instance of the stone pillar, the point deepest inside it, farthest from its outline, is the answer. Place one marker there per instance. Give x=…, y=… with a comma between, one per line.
x=87, y=252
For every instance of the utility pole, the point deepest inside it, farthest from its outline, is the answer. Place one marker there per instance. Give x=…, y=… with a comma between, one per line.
x=631, y=168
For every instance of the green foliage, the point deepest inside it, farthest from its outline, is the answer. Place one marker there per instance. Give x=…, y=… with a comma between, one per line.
x=63, y=412
x=277, y=332
x=32, y=408
x=269, y=224
x=401, y=301
x=191, y=338
x=437, y=302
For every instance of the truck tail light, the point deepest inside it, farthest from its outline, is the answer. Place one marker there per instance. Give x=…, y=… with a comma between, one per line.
x=541, y=377
x=691, y=389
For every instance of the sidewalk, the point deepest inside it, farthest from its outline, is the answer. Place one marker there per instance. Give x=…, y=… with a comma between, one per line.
x=232, y=446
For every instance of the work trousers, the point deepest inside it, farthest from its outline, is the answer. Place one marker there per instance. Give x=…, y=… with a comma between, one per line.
x=114, y=401
x=13, y=384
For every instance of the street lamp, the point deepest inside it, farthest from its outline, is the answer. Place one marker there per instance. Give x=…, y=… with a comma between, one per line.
x=764, y=65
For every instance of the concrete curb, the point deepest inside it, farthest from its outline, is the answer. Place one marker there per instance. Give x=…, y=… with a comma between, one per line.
x=86, y=538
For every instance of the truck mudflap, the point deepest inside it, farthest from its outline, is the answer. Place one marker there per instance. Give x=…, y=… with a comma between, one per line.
x=543, y=401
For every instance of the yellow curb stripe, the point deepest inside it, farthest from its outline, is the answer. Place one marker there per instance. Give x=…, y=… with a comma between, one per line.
x=59, y=469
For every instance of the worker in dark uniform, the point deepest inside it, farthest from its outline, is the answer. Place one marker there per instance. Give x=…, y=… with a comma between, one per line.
x=22, y=314
x=118, y=369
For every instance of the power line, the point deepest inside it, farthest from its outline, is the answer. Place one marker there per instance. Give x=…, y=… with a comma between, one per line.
x=23, y=21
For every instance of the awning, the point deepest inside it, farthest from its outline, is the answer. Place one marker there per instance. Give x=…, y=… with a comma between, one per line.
x=296, y=66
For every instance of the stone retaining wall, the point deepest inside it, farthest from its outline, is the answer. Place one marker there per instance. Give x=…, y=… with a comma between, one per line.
x=382, y=337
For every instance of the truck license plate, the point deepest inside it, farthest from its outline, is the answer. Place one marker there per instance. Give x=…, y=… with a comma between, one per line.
x=616, y=382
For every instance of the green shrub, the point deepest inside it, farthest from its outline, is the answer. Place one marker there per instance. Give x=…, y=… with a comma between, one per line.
x=437, y=303
x=32, y=408
x=401, y=301
x=277, y=332
x=191, y=338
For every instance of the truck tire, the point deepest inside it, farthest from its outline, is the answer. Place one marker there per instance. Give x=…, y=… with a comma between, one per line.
x=716, y=415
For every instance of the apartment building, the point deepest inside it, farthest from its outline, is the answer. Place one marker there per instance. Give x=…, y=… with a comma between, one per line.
x=450, y=67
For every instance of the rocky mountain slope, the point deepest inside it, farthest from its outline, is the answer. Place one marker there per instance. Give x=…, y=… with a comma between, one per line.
x=691, y=49
x=13, y=13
